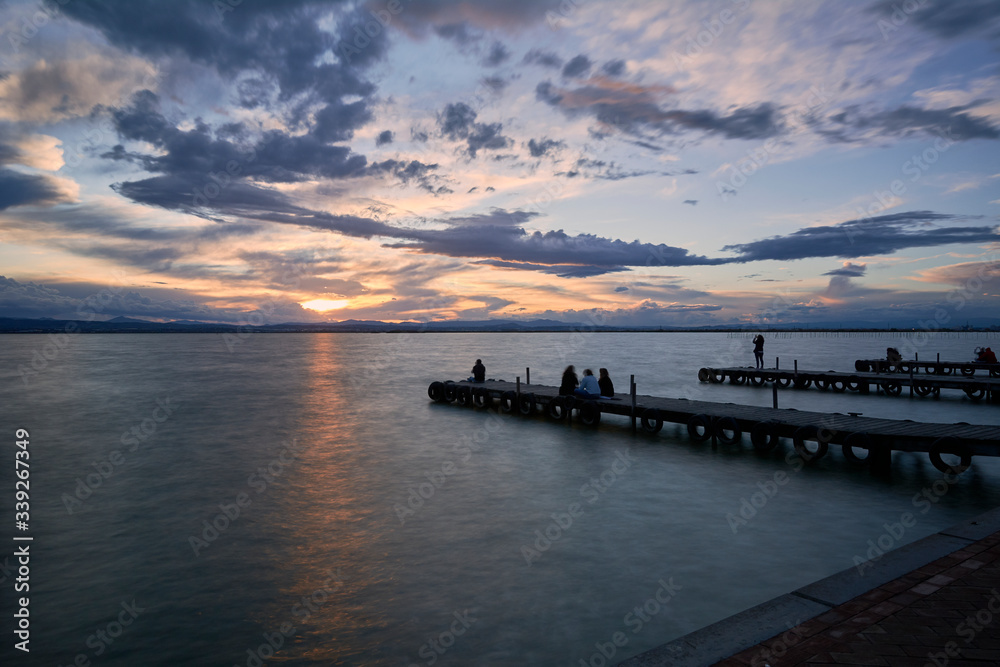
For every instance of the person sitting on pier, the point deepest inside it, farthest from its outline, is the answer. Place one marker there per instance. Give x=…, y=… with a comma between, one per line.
x=588, y=386
x=605, y=383
x=569, y=381
x=991, y=357
x=479, y=371
x=893, y=356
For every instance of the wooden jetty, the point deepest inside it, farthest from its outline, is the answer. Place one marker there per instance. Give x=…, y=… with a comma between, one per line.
x=890, y=384
x=863, y=440
x=965, y=368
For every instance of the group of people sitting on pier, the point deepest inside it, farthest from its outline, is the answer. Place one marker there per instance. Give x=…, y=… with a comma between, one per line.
x=589, y=387
x=985, y=355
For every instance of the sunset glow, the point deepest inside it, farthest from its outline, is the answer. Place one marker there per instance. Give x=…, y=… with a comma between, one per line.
x=638, y=162
x=323, y=305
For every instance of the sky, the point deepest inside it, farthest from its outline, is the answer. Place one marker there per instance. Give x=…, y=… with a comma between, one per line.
x=746, y=163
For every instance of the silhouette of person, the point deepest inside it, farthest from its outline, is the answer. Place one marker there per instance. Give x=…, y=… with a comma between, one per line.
x=588, y=386
x=479, y=371
x=758, y=350
x=569, y=381
x=605, y=383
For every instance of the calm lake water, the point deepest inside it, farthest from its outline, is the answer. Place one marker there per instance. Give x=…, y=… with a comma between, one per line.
x=368, y=526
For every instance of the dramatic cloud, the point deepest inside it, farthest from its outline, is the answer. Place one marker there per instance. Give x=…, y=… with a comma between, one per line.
x=384, y=138
x=577, y=67
x=849, y=269
x=951, y=124
x=947, y=20
x=457, y=122
x=497, y=55
x=543, y=58
x=613, y=68
x=870, y=236
x=544, y=146
x=499, y=239
x=19, y=189
x=634, y=109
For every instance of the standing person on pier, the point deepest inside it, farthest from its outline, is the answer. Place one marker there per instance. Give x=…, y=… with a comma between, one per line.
x=569, y=381
x=758, y=350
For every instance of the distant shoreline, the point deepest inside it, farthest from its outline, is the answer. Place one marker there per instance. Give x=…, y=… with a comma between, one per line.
x=45, y=326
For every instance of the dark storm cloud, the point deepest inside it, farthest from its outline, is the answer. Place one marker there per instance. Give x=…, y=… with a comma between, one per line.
x=613, y=68
x=457, y=122
x=543, y=58
x=577, y=67
x=561, y=270
x=948, y=20
x=953, y=124
x=19, y=189
x=510, y=15
x=633, y=109
x=513, y=243
x=870, y=236
x=849, y=270
x=497, y=55
x=384, y=137
x=543, y=146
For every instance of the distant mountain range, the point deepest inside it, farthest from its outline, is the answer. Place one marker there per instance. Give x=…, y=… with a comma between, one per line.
x=123, y=324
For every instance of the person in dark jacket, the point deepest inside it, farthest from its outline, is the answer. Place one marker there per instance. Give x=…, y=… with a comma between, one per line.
x=569, y=381
x=479, y=371
x=758, y=350
x=605, y=383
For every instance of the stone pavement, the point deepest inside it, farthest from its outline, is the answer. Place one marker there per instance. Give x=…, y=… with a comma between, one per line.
x=934, y=602
x=944, y=613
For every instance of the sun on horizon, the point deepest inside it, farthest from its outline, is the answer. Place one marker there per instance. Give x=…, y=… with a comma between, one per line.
x=323, y=305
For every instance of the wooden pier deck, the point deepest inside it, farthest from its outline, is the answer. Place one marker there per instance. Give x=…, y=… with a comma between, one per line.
x=965, y=368
x=891, y=384
x=863, y=440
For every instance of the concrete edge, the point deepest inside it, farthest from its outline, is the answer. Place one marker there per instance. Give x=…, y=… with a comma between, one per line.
x=750, y=627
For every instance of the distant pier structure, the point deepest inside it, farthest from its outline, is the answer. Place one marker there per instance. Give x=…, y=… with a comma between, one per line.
x=863, y=441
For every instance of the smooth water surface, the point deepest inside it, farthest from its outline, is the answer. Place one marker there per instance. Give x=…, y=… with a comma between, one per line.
x=369, y=526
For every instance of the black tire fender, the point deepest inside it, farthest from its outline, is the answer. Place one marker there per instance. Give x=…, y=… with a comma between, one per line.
x=860, y=440
x=436, y=392
x=764, y=436
x=950, y=446
x=703, y=421
x=651, y=420
x=809, y=433
x=723, y=424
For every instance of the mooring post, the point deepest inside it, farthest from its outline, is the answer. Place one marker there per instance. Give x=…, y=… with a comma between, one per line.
x=776, y=364
x=916, y=357
x=518, y=392
x=796, y=362
x=527, y=376
x=939, y=358
x=631, y=383
x=774, y=393
x=881, y=460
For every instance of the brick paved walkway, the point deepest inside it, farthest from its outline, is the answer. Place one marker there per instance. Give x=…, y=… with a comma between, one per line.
x=946, y=613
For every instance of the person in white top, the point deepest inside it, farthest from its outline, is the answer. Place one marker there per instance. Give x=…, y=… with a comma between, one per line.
x=588, y=386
